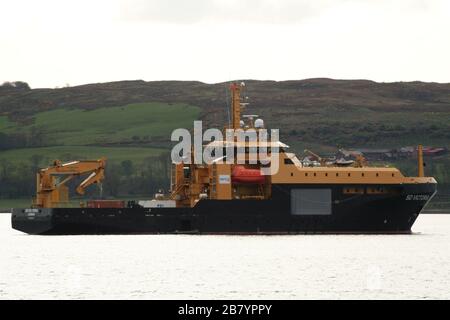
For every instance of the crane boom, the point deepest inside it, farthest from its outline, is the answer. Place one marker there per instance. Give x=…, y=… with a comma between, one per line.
x=51, y=190
x=94, y=177
x=313, y=154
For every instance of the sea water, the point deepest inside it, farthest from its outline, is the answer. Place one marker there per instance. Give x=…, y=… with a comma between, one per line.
x=228, y=267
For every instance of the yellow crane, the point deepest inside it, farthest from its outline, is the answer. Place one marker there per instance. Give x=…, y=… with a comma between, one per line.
x=51, y=190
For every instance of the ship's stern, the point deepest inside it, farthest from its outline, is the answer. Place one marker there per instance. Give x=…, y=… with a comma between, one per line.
x=32, y=221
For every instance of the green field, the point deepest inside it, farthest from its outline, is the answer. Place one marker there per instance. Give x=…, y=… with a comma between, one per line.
x=134, y=122
x=71, y=134
x=5, y=123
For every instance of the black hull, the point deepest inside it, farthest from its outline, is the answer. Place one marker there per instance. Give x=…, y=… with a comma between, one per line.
x=393, y=212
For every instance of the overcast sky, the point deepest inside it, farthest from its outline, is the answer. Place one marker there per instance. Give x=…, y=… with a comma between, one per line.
x=50, y=43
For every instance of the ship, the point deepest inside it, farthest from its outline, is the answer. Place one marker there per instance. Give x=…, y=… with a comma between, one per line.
x=225, y=196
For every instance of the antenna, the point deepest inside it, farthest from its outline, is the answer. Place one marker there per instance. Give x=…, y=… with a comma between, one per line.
x=227, y=106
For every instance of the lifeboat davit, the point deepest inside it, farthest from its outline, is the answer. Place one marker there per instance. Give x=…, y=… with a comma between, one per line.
x=243, y=175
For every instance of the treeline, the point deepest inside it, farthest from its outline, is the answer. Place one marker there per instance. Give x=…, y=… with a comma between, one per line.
x=130, y=179
x=17, y=180
x=35, y=138
x=12, y=141
x=125, y=178
x=18, y=85
x=135, y=180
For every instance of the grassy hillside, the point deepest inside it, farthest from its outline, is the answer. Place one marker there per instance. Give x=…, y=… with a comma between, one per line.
x=130, y=132
x=323, y=112
x=129, y=123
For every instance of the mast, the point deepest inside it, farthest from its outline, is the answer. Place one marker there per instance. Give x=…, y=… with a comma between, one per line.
x=420, y=171
x=235, y=106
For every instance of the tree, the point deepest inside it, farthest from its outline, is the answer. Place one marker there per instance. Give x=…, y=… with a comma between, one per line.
x=112, y=181
x=36, y=137
x=127, y=167
x=35, y=160
x=16, y=85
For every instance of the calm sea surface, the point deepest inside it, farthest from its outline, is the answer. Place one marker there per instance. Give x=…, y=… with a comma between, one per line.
x=234, y=267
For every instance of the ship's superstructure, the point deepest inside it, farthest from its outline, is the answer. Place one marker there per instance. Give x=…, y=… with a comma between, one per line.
x=244, y=181
x=231, y=196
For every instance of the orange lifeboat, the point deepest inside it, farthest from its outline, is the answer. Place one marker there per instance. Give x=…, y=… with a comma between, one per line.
x=243, y=175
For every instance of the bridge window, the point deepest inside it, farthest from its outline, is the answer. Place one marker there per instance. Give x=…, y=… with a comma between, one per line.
x=288, y=161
